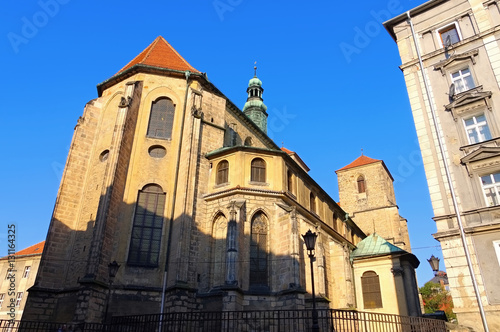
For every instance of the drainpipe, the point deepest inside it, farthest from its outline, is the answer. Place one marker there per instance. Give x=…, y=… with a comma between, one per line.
x=174, y=194
x=449, y=180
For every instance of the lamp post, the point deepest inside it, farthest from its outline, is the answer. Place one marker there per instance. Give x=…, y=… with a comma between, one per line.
x=112, y=271
x=310, y=241
x=434, y=262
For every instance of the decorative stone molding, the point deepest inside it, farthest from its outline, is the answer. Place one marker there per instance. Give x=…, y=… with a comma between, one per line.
x=471, y=55
x=125, y=102
x=397, y=271
x=469, y=101
x=482, y=158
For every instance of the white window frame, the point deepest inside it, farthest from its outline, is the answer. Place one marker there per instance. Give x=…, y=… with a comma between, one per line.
x=444, y=27
x=476, y=127
x=496, y=245
x=19, y=298
x=27, y=270
x=494, y=185
x=461, y=78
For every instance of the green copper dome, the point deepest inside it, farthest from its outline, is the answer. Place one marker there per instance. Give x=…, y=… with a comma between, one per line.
x=254, y=103
x=254, y=81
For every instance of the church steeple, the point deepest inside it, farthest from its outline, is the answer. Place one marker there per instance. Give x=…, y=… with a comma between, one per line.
x=254, y=108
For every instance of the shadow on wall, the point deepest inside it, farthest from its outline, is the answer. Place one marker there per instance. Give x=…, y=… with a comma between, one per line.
x=73, y=283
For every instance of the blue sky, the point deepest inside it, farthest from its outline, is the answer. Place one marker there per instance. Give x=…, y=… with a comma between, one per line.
x=329, y=70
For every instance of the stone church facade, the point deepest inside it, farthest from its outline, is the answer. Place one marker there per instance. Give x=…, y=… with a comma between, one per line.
x=198, y=206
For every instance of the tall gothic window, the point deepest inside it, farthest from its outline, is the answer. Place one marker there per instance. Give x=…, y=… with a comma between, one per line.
x=258, y=251
x=148, y=223
x=370, y=284
x=219, y=234
x=161, y=118
x=258, y=170
x=361, y=184
x=222, y=172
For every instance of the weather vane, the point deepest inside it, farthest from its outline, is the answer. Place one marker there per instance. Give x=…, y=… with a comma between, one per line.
x=255, y=69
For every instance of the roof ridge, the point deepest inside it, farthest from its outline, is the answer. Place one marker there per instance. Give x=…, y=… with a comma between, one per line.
x=148, y=49
x=160, y=54
x=360, y=161
x=151, y=47
x=175, y=51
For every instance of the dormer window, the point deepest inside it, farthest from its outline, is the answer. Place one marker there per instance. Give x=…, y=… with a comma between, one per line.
x=449, y=35
x=462, y=79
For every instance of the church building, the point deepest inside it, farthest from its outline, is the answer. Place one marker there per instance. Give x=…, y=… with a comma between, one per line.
x=202, y=211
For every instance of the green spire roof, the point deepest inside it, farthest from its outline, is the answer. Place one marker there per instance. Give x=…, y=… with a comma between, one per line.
x=254, y=81
x=254, y=108
x=374, y=245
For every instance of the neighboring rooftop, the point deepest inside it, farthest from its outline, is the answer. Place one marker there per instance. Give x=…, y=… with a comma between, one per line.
x=375, y=245
x=297, y=159
x=32, y=250
x=360, y=161
x=160, y=54
x=440, y=276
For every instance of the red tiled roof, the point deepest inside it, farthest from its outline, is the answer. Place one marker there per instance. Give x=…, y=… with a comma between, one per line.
x=34, y=249
x=363, y=160
x=286, y=150
x=160, y=54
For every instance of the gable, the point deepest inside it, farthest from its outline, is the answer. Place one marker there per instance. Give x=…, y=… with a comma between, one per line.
x=481, y=154
x=456, y=58
x=469, y=101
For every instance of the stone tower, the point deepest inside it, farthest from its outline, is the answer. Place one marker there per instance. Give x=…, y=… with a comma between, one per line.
x=254, y=108
x=366, y=192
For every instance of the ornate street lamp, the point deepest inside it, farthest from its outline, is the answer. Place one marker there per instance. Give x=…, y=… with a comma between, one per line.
x=310, y=241
x=434, y=262
x=112, y=271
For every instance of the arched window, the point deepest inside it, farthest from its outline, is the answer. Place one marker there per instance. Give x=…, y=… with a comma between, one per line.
x=147, y=228
x=289, y=179
x=258, y=170
x=219, y=250
x=312, y=203
x=370, y=284
x=361, y=184
x=222, y=172
x=161, y=118
x=258, y=251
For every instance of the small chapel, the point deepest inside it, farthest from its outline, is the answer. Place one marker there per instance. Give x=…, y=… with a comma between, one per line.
x=200, y=210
